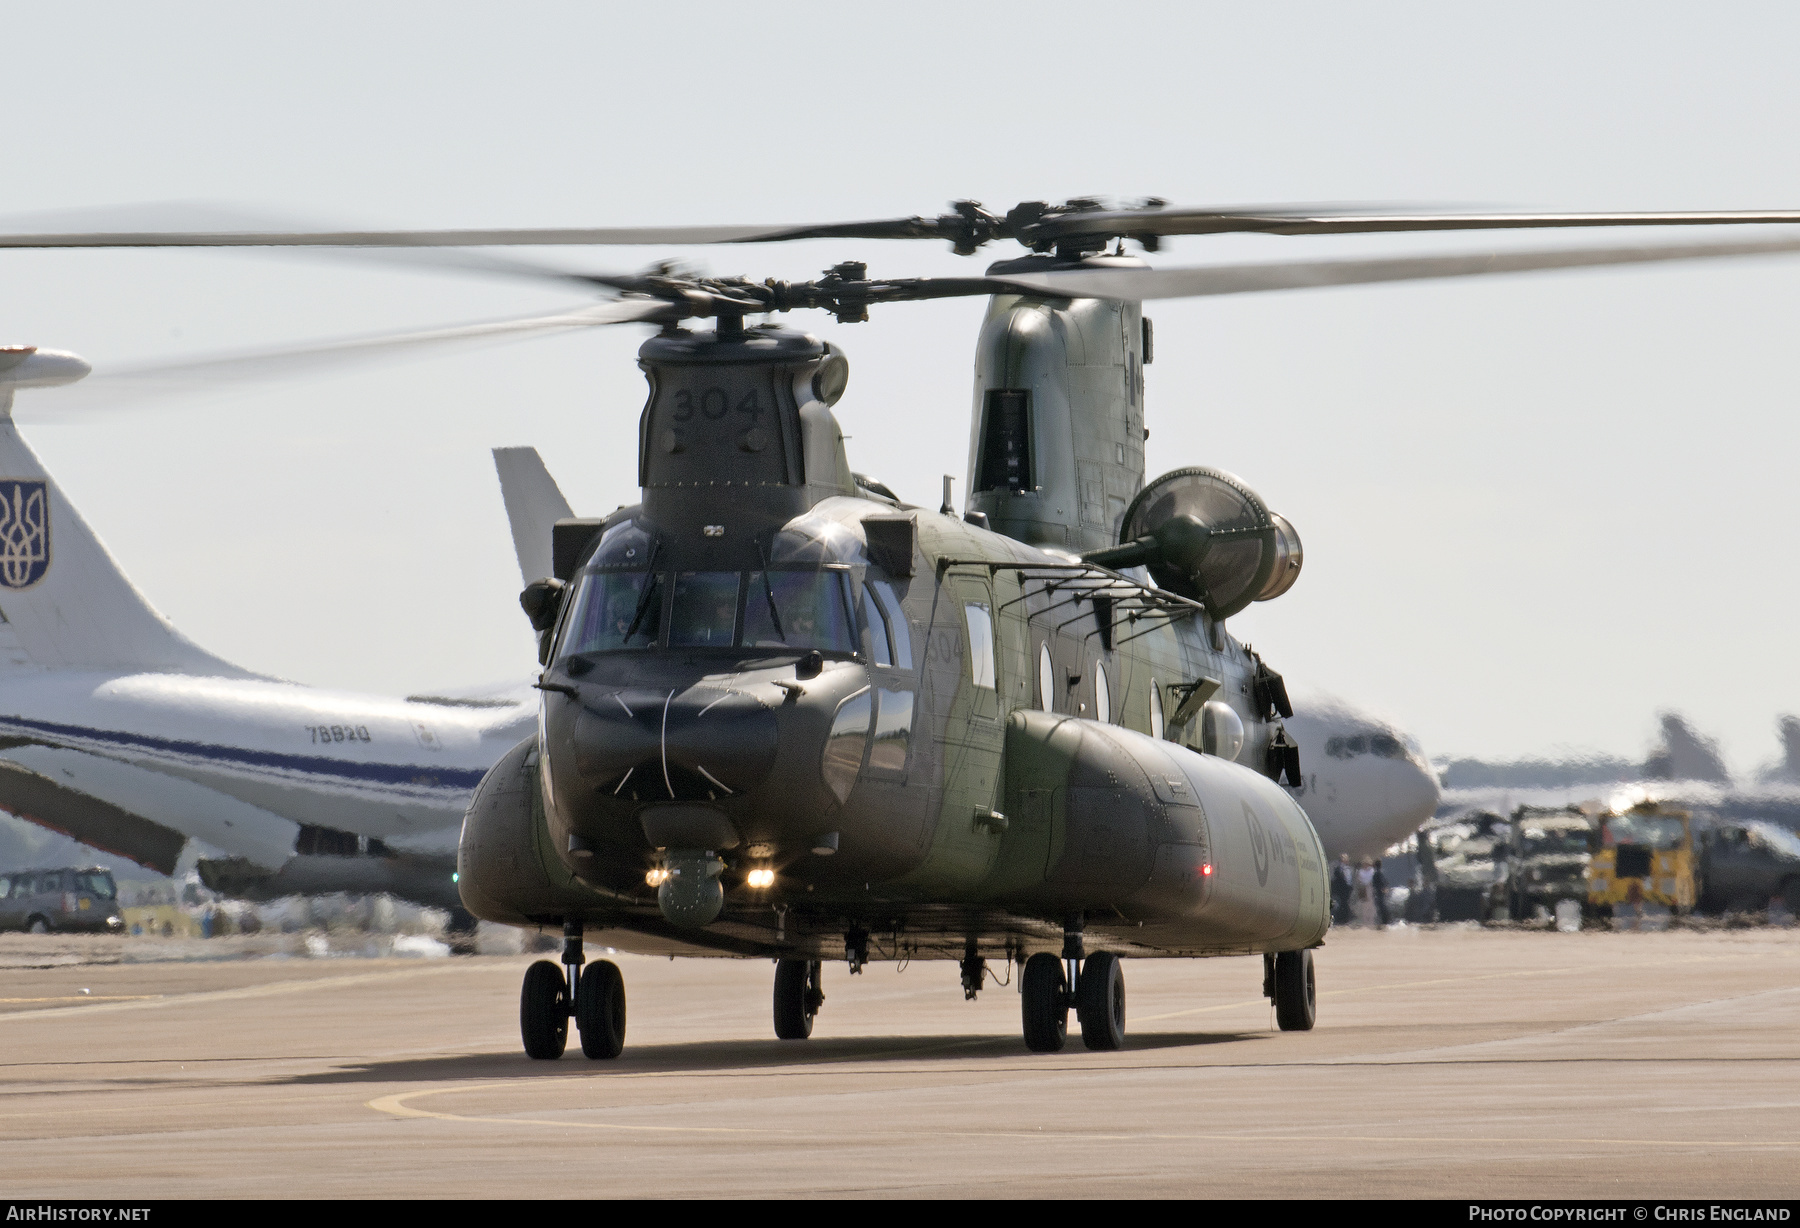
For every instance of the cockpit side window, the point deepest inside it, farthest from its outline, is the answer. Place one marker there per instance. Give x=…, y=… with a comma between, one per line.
x=896, y=620
x=879, y=645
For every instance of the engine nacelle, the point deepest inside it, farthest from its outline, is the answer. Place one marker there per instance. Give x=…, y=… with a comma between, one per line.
x=1206, y=535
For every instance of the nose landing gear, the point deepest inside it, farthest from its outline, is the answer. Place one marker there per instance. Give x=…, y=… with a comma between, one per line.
x=551, y=995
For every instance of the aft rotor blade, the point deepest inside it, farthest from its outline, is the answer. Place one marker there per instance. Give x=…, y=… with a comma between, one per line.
x=1278, y=221
x=1143, y=284
x=118, y=387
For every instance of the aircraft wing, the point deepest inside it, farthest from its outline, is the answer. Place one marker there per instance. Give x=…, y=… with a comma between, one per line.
x=136, y=812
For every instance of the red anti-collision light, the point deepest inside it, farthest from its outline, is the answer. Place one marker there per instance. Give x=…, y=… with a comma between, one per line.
x=1206, y=870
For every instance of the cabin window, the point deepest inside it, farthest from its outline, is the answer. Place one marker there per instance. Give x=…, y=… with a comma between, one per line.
x=897, y=626
x=879, y=647
x=1046, y=680
x=703, y=612
x=1156, y=712
x=1006, y=442
x=981, y=643
x=893, y=731
x=1102, y=696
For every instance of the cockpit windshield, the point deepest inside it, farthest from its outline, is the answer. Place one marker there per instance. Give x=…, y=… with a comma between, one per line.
x=98, y=883
x=774, y=609
x=1659, y=831
x=1550, y=841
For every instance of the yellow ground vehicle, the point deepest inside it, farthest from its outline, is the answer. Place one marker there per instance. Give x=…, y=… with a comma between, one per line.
x=1645, y=856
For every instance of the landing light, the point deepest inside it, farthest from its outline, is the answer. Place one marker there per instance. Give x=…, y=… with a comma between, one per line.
x=657, y=877
x=760, y=878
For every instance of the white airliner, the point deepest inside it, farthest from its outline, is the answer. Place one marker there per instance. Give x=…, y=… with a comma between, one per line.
x=1366, y=784
x=119, y=731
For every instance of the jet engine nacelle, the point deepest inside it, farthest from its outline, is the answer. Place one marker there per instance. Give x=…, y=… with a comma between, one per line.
x=1163, y=831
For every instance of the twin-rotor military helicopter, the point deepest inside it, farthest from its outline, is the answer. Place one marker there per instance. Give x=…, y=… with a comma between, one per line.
x=786, y=714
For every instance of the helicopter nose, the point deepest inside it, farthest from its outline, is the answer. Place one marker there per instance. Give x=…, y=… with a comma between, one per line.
x=685, y=743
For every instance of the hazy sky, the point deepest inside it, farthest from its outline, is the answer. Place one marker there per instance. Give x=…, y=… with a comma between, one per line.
x=1535, y=508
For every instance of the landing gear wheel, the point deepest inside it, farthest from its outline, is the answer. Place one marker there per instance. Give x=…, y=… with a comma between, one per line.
x=600, y=1010
x=1296, y=998
x=797, y=997
x=1101, y=1002
x=1044, y=1002
x=544, y=1011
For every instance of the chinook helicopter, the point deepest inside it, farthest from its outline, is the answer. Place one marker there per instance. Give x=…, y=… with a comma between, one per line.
x=788, y=715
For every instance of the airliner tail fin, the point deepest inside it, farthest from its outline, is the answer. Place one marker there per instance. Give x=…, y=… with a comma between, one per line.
x=533, y=504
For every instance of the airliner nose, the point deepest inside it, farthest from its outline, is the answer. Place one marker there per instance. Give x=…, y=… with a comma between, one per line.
x=1412, y=793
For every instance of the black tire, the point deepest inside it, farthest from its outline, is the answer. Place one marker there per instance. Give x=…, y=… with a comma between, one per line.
x=1296, y=996
x=544, y=1011
x=600, y=1011
x=795, y=1003
x=1044, y=1003
x=1790, y=895
x=37, y=925
x=1101, y=1005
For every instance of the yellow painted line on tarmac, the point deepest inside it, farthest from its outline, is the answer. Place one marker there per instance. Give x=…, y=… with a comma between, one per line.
x=398, y=1106
x=271, y=989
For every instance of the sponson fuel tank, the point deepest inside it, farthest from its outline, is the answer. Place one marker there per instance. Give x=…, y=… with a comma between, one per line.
x=1095, y=810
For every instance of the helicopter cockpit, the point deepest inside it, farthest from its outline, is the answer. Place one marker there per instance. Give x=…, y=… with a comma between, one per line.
x=628, y=597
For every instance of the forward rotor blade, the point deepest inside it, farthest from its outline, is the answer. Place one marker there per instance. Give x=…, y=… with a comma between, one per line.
x=897, y=228
x=1133, y=222
x=121, y=386
x=1144, y=284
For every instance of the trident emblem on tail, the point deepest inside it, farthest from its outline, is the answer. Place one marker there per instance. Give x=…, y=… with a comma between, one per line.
x=24, y=532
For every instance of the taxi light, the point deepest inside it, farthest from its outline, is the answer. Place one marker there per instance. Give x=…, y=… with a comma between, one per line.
x=1206, y=870
x=657, y=877
x=760, y=878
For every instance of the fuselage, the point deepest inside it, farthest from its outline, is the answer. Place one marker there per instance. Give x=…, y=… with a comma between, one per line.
x=990, y=735
x=264, y=776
